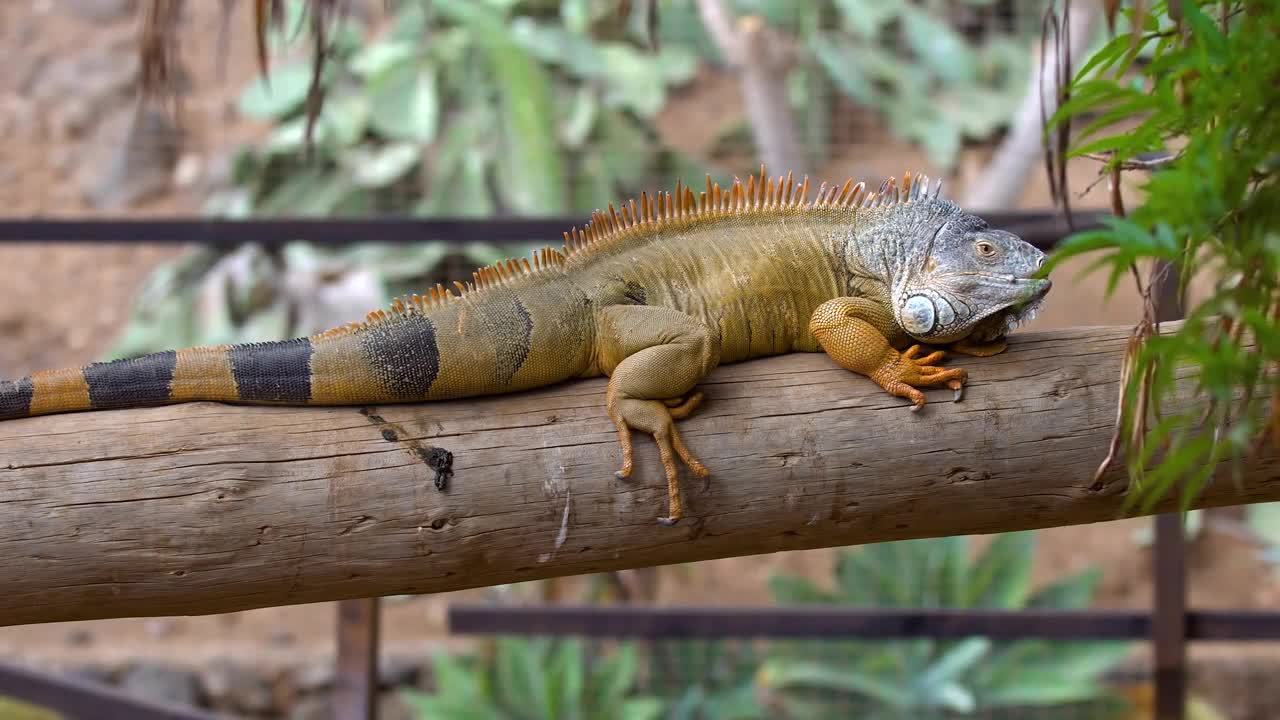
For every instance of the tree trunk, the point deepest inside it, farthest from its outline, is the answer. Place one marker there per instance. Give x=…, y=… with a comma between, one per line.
x=208, y=508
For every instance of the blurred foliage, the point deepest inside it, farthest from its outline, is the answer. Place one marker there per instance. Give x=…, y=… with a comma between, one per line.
x=705, y=679
x=912, y=64
x=535, y=679
x=1207, y=98
x=935, y=678
x=463, y=109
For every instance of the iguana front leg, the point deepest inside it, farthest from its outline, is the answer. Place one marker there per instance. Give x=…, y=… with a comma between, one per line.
x=654, y=356
x=859, y=335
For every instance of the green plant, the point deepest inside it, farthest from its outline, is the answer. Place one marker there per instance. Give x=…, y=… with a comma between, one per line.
x=535, y=679
x=460, y=108
x=1207, y=101
x=930, y=678
x=705, y=679
x=907, y=61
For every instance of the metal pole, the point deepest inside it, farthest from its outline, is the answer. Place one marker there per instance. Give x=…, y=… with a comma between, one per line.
x=1169, y=616
x=355, y=686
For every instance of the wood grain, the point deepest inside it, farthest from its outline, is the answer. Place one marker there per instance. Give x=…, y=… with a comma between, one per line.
x=207, y=508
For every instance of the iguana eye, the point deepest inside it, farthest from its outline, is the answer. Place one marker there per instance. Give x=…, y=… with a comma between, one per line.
x=985, y=249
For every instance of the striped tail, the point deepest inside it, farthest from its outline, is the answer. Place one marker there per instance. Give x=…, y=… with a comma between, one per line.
x=415, y=352
x=267, y=373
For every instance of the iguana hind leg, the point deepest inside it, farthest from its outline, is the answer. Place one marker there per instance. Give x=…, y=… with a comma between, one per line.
x=654, y=357
x=857, y=333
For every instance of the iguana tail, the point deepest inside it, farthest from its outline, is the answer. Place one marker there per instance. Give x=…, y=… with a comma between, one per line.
x=496, y=336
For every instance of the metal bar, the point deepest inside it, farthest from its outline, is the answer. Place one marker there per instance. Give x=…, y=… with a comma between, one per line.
x=792, y=622
x=1041, y=228
x=1169, y=616
x=819, y=621
x=74, y=699
x=355, y=687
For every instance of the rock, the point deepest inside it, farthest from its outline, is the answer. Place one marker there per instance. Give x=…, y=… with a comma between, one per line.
x=100, y=11
x=162, y=684
x=231, y=686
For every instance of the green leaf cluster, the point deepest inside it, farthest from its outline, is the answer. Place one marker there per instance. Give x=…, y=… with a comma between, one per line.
x=1205, y=89
x=934, y=86
x=536, y=679
x=938, y=678
x=462, y=108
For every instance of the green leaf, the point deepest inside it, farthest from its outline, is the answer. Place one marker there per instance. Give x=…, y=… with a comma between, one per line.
x=534, y=173
x=565, y=692
x=954, y=697
x=518, y=667
x=580, y=119
x=1001, y=577
x=277, y=96
x=344, y=118
x=955, y=662
x=615, y=676
x=784, y=674
x=940, y=48
x=375, y=167
x=1069, y=593
x=437, y=707
x=376, y=58
x=630, y=81
x=866, y=17
x=640, y=709
x=796, y=591
x=842, y=69
x=405, y=103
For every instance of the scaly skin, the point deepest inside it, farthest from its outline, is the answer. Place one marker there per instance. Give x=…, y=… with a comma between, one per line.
x=654, y=297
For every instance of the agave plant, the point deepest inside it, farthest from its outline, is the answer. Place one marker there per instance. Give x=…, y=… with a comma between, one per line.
x=705, y=679
x=930, y=678
x=535, y=679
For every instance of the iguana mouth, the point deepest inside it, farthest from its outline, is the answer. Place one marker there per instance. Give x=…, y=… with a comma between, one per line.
x=1025, y=311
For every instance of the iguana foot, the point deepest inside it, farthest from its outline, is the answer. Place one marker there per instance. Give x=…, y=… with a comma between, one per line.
x=901, y=374
x=655, y=418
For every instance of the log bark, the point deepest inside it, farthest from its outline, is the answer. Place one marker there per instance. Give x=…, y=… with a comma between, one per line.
x=208, y=508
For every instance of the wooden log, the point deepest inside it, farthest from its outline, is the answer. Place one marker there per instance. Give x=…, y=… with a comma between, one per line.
x=209, y=508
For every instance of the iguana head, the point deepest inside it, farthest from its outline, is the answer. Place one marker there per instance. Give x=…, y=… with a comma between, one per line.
x=963, y=279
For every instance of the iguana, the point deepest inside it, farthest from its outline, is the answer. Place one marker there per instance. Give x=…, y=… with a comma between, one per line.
x=654, y=295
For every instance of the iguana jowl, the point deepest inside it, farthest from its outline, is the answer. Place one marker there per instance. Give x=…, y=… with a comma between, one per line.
x=653, y=295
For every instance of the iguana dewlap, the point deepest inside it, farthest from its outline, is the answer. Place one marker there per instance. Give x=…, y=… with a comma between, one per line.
x=654, y=296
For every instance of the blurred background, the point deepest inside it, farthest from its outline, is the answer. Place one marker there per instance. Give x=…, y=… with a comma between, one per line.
x=556, y=107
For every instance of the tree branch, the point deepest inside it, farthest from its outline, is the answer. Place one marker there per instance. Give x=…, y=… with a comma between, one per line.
x=1003, y=180
x=761, y=57
x=208, y=508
